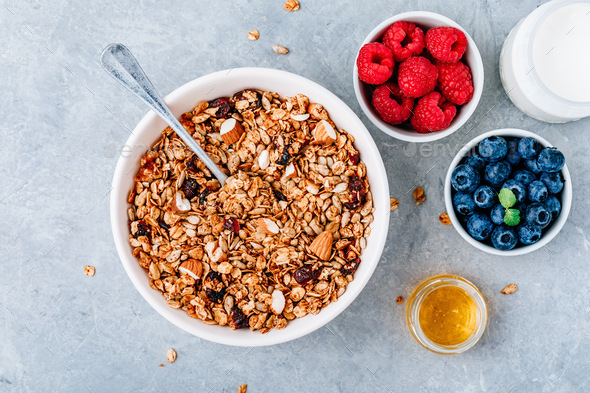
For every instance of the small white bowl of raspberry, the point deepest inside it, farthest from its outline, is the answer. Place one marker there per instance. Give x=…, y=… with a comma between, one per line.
x=418, y=76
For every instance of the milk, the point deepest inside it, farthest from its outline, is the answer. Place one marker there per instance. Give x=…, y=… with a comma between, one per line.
x=545, y=62
x=561, y=52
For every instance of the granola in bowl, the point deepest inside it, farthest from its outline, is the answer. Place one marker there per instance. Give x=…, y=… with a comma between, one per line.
x=284, y=235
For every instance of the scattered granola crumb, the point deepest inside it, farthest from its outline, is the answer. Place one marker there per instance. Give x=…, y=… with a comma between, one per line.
x=393, y=204
x=242, y=389
x=291, y=5
x=89, y=270
x=253, y=35
x=399, y=299
x=510, y=288
x=444, y=218
x=171, y=355
x=161, y=365
x=280, y=49
x=419, y=195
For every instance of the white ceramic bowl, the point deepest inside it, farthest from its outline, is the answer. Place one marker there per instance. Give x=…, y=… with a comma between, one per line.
x=226, y=83
x=471, y=57
x=548, y=235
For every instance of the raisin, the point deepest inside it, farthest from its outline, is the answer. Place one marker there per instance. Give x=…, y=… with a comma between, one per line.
x=231, y=224
x=351, y=266
x=239, y=320
x=223, y=104
x=284, y=158
x=253, y=105
x=354, y=158
x=163, y=224
x=190, y=187
x=215, y=296
x=191, y=164
x=279, y=195
x=142, y=229
x=203, y=195
x=305, y=274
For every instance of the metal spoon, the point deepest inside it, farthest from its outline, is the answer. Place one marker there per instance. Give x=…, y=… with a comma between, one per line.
x=118, y=61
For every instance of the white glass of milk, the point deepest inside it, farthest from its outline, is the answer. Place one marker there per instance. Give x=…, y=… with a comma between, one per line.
x=545, y=62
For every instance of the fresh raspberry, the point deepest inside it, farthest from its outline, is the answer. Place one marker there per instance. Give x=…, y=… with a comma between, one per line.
x=432, y=113
x=417, y=76
x=391, y=105
x=404, y=39
x=446, y=44
x=455, y=82
x=375, y=63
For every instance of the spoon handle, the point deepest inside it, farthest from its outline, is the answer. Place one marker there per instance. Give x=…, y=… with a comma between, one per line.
x=118, y=61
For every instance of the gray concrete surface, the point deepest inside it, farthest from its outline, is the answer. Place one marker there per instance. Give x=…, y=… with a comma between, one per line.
x=63, y=122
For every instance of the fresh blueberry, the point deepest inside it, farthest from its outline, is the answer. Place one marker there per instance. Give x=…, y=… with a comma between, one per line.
x=553, y=181
x=493, y=148
x=517, y=188
x=497, y=214
x=465, y=178
x=550, y=160
x=513, y=157
x=531, y=165
x=463, y=203
x=528, y=234
x=479, y=226
x=497, y=173
x=504, y=238
x=537, y=214
x=554, y=206
x=523, y=176
x=538, y=191
x=476, y=161
x=528, y=148
x=484, y=197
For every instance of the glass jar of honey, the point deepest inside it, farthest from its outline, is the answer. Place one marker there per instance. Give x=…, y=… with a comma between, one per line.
x=446, y=314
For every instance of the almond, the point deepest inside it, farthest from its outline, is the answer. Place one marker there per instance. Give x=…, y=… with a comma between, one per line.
x=192, y=267
x=268, y=226
x=322, y=245
x=324, y=133
x=231, y=131
x=509, y=289
x=263, y=160
x=278, y=302
x=290, y=171
x=302, y=117
x=181, y=205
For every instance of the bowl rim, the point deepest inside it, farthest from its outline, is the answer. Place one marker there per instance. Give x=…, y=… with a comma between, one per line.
x=566, y=196
x=244, y=78
x=467, y=110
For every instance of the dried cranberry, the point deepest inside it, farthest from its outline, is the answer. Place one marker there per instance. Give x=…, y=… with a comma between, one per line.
x=190, y=187
x=223, y=104
x=215, y=296
x=142, y=229
x=351, y=205
x=231, y=224
x=351, y=266
x=163, y=224
x=354, y=158
x=356, y=184
x=279, y=195
x=203, y=196
x=305, y=274
x=239, y=320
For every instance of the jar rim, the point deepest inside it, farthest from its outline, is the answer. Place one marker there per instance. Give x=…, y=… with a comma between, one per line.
x=428, y=286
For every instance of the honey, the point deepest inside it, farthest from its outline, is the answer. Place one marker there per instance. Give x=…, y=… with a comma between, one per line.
x=447, y=315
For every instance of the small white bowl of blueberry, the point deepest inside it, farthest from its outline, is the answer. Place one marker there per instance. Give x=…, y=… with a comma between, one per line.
x=508, y=192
